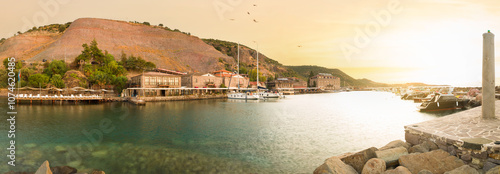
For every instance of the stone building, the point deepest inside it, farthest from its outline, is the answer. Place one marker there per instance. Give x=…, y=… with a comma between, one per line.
x=201, y=80
x=325, y=81
x=155, y=80
x=231, y=80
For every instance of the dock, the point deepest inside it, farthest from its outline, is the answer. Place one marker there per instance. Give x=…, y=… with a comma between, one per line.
x=464, y=134
x=24, y=98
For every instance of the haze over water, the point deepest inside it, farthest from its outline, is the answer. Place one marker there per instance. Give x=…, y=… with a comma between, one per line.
x=295, y=134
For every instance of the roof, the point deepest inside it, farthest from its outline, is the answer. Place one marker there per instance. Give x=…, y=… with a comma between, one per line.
x=325, y=74
x=155, y=74
x=170, y=71
x=223, y=70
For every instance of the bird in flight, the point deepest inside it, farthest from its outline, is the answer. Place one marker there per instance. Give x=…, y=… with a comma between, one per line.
x=300, y=46
x=231, y=19
x=255, y=21
x=248, y=13
x=255, y=5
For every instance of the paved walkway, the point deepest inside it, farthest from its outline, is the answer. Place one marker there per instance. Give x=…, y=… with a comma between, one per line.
x=463, y=126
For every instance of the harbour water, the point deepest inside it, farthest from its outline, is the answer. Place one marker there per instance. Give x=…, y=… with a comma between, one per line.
x=291, y=135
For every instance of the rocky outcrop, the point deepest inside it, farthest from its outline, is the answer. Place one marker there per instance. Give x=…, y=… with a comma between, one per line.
x=394, y=144
x=437, y=161
x=374, y=166
x=334, y=165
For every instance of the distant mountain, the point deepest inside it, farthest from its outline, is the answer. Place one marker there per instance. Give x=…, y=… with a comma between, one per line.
x=345, y=80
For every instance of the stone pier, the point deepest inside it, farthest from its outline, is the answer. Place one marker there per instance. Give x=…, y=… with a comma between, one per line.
x=464, y=134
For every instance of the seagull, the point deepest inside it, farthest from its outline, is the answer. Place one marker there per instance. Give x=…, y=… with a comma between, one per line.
x=231, y=19
x=299, y=46
x=248, y=13
x=255, y=5
x=255, y=21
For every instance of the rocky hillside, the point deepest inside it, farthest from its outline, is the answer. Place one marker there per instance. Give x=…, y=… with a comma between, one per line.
x=160, y=45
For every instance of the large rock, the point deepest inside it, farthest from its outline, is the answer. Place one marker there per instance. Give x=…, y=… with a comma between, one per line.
x=394, y=144
x=391, y=156
x=334, y=165
x=44, y=168
x=489, y=165
x=464, y=169
x=374, y=166
x=398, y=170
x=425, y=172
x=63, y=170
x=495, y=170
x=358, y=160
x=437, y=161
x=426, y=146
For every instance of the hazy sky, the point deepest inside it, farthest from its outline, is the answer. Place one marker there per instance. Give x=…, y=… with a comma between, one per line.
x=431, y=41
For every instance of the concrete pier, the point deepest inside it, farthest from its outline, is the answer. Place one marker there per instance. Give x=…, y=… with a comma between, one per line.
x=488, y=102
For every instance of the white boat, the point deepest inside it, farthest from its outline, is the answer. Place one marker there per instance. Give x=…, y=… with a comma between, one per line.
x=269, y=95
x=242, y=96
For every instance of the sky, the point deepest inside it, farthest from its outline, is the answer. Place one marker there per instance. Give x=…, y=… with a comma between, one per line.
x=389, y=41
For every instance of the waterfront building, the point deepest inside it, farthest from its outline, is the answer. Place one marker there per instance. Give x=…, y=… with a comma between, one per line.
x=325, y=81
x=231, y=80
x=201, y=80
x=253, y=85
x=155, y=80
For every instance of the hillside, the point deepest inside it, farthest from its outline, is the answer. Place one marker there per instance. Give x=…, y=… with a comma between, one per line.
x=170, y=49
x=345, y=80
x=160, y=45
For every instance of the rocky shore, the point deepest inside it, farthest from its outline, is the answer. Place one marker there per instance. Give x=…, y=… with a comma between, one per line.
x=399, y=157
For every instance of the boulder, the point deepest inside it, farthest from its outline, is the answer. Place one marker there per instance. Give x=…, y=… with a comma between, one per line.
x=463, y=169
x=358, y=160
x=494, y=170
x=398, y=170
x=425, y=172
x=63, y=170
x=97, y=172
x=489, y=165
x=374, y=166
x=394, y=144
x=437, y=161
x=391, y=156
x=44, y=168
x=333, y=165
x=418, y=149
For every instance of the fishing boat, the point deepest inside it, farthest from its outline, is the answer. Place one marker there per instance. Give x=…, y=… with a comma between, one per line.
x=242, y=96
x=442, y=102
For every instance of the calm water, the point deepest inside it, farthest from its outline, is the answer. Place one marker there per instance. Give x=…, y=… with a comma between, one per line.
x=292, y=135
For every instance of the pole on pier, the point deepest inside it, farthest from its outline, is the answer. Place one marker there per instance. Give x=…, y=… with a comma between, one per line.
x=488, y=101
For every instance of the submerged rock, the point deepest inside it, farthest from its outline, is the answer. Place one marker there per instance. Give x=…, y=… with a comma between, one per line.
x=334, y=165
x=100, y=154
x=63, y=170
x=374, y=166
x=437, y=161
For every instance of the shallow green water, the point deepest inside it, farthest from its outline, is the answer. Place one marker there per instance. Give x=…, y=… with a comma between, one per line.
x=292, y=135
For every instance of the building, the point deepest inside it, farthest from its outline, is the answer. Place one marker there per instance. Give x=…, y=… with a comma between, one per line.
x=254, y=85
x=201, y=80
x=232, y=80
x=325, y=81
x=155, y=80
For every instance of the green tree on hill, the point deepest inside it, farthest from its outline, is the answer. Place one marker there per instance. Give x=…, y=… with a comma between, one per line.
x=38, y=80
x=57, y=81
x=56, y=67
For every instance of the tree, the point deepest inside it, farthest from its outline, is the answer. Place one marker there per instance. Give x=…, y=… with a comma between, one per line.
x=90, y=52
x=146, y=23
x=6, y=64
x=120, y=83
x=56, y=67
x=161, y=25
x=38, y=80
x=311, y=74
x=57, y=81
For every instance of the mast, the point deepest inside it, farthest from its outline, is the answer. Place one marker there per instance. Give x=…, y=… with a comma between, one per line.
x=238, y=66
x=257, y=68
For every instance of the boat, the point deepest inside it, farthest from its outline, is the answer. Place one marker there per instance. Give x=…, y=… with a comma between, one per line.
x=242, y=96
x=423, y=99
x=270, y=95
x=442, y=102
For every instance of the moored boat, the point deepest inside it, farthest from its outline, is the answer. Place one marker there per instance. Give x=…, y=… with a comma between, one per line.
x=442, y=102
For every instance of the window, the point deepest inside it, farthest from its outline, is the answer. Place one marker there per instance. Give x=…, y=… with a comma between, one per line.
x=146, y=80
x=176, y=81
